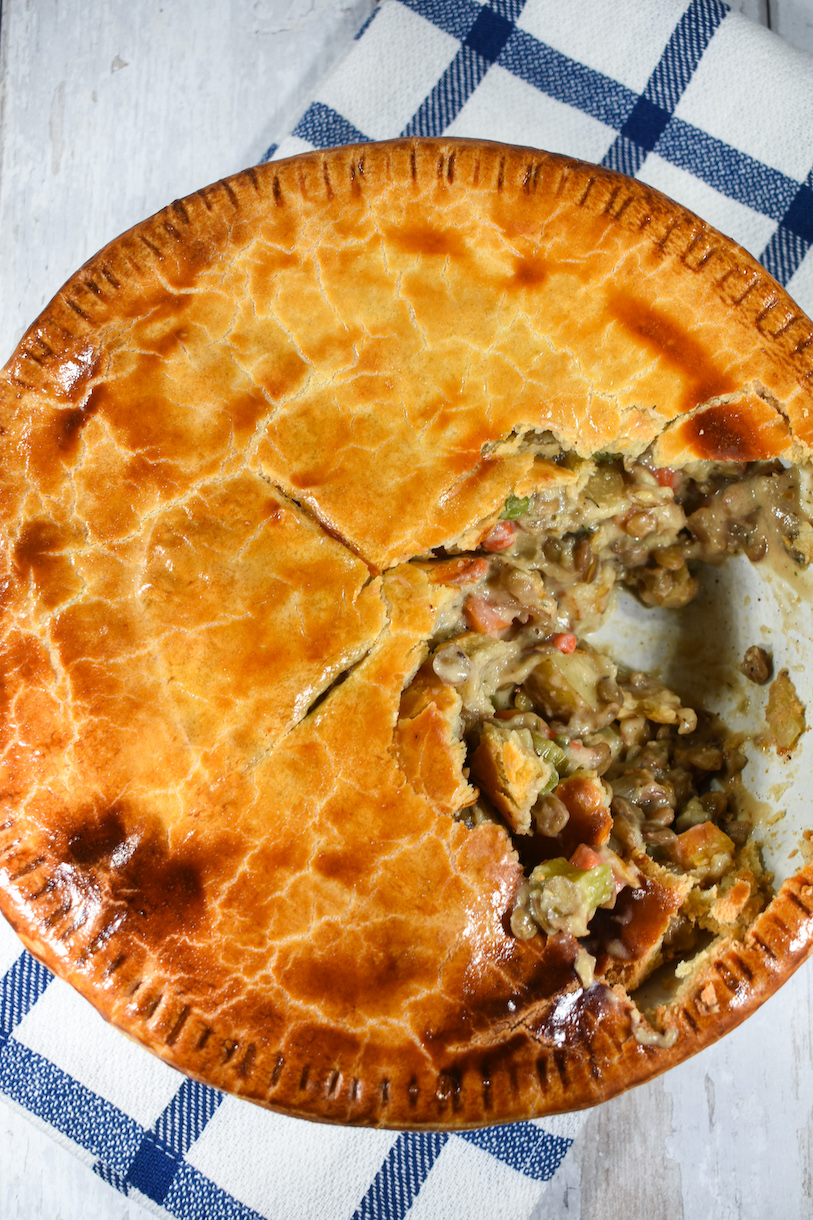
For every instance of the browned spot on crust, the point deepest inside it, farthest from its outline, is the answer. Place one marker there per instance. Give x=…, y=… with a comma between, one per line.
x=638, y=920
x=796, y=900
x=77, y=309
x=742, y=966
x=729, y=980
x=279, y=380
x=38, y=555
x=571, y=1018
x=30, y=867
x=690, y=1021
x=726, y=433
x=529, y=272
x=68, y=424
x=591, y=182
x=674, y=346
x=146, y=881
x=374, y=974
x=150, y=1006
x=426, y=240
x=669, y=231
x=232, y=197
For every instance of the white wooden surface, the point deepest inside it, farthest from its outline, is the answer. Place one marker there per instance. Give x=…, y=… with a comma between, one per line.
x=108, y=110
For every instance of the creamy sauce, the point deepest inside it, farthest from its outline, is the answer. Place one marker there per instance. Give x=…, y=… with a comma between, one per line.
x=538, y=706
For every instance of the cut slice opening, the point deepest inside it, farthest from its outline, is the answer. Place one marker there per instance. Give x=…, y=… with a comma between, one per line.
x=624, y=804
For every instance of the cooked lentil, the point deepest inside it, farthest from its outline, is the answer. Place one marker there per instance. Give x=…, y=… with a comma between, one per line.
x=598, y=772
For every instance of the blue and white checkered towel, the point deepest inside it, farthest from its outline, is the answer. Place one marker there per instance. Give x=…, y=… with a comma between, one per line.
x=688, y=97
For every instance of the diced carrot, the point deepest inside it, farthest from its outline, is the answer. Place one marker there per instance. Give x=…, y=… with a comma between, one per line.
x=667, y=477
x=500, y=537
x=624, y=874
x=585, y=857
x=563, y=640
x=463, y=570
x=704, y=848
x=483, y=616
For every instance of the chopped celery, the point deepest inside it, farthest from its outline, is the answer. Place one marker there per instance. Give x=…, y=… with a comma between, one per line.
x=595, y=884
x=515, y=506
x=553, y=755
x=564, y=898
x=549, y=750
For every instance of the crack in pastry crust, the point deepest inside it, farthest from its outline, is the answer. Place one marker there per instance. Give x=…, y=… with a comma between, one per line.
x=215, y=438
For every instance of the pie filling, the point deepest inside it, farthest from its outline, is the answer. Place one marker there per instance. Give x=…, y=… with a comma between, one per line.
x=623, y=804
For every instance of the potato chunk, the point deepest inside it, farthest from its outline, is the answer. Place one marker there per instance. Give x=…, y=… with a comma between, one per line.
x=511, y=774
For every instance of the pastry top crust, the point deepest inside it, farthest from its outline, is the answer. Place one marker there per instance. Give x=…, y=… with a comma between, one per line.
x=223, y=442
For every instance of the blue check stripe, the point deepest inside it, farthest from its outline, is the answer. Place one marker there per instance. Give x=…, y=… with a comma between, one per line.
x=367, y=24
x=20, y=988
x=105, y=1131
x=490, y=28
x=653, y=110
x=449, y=95
x=792, y=240
x=683, y=52
x=161, y=1151
x=186, y=1115
x=642, y=123
x=524, y=1147
x=324, y=128
x=566, y=80
x=52, y=1095
x=193, y=1196
x=729, y=171
x=456, y=18
x=401, y=1176
x=509, y=9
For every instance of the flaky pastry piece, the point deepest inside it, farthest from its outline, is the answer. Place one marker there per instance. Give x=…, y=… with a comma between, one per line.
x=236, y=446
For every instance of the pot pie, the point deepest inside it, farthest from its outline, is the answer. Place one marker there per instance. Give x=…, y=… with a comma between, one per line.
x=313, y=487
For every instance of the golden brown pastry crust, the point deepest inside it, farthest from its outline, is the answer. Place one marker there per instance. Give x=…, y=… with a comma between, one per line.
x=222, y=443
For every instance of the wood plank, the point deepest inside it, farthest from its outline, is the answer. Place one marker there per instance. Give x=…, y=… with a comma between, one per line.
x=706, y=1139
x=757, y=10
x=114, y=109
x=793, y=20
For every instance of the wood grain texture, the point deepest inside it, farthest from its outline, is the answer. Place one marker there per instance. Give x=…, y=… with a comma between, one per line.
x=728, y=1134
x=757, y=10
x=112, y=110
x=109, y=111
x=793, y=21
